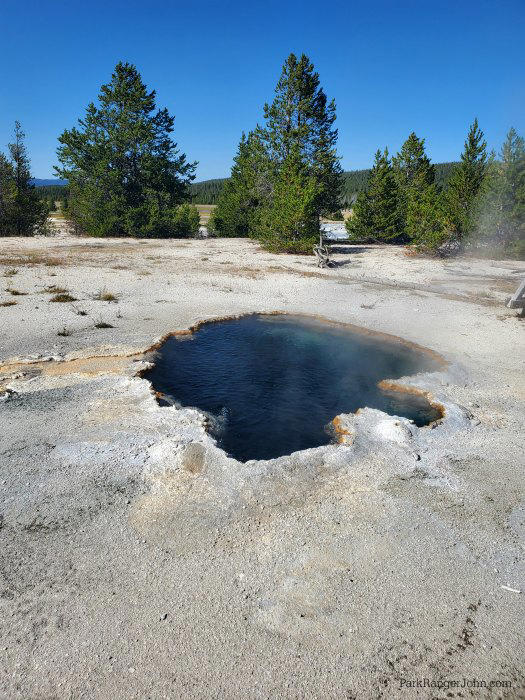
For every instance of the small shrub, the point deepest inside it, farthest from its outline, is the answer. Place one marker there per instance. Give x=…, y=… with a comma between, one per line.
x=65, y=332
x=11, y=272
x=186, y=221
x=8, y=303
x=516, y=250
x=62, y=298
x=103, y=324
x=16, y=292
x=80, y=312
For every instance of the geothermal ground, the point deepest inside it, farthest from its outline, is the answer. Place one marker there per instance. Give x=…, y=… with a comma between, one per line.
x=139, y=561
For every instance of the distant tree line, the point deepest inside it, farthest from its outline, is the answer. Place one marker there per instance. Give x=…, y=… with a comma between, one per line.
x=207, y=191
x=353, y=182
x=54, y=195
x=481, y=201
x=22, y=211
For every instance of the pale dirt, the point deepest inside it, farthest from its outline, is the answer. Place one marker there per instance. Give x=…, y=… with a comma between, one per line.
x=138, y=561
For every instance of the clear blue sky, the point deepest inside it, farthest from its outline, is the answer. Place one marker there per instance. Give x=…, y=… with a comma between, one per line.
x=392, y=67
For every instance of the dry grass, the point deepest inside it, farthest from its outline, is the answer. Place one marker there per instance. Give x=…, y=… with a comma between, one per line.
x=11, y=272
x=31, y=258
x=62, y=298
x=104, y=295
x=16, y=292
x=65, y=332
x=8, y=303
x=103, y=324
x=53, y=289
x=205, y=211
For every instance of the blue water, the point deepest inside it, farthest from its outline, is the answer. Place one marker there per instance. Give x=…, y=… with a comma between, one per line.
x=272, y=384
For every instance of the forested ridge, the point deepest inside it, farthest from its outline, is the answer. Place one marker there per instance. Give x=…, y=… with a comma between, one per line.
x=354, y=181
x=208, y=191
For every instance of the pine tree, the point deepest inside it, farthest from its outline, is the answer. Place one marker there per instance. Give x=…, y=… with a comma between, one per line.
x=465, y=184
x=513, y=158
x=414, y=173
x=361, y=224
x=491, y=221
x=501, y=201
x=375, y=213
x=297, y=142
x=126, y=176
x=247, y=191
x=426, y=220
x=7, y=196
x=301, y=117
x=291, y=223
x=22, y=212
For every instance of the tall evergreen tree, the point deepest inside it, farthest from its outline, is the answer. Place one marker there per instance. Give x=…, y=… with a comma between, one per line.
x=22, y=211
x=295, y=148
x=465, y=184
x=126, y=176
x=301, y=117
x=375, y=212
x=247, y=191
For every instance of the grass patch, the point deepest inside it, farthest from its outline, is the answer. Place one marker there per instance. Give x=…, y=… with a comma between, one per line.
x=53, y=289
x=30, y=259
x=103, y=324
x=16, y=292
x=62, y=298
x=104, y=295
x=8, y=303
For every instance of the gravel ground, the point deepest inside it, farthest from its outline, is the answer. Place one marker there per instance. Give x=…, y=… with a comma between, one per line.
x=138, y=561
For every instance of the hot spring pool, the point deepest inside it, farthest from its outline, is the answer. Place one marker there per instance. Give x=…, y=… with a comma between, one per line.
x=273, y=383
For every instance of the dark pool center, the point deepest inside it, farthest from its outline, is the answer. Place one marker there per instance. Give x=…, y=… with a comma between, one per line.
x=272, y=384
